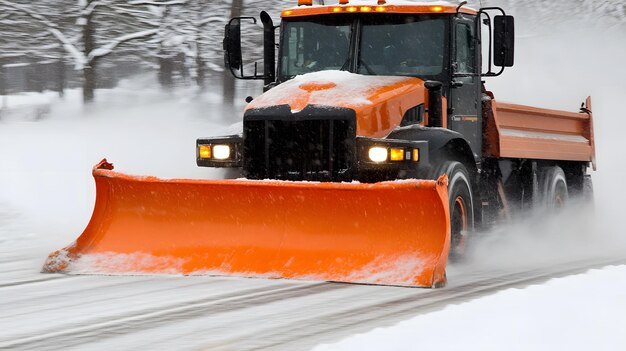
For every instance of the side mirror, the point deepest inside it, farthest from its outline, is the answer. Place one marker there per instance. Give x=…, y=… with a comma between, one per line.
x=232, y=45
x=503, y=41
x=233, y=59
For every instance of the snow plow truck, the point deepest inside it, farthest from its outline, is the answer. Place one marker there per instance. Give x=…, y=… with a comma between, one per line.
x=373, y=154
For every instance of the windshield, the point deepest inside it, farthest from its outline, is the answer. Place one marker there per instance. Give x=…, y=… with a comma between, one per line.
x=406, y=45
x=315, y=46
x=390, y=44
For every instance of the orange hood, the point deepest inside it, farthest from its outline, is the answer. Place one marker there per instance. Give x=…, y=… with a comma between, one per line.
x=379, y=101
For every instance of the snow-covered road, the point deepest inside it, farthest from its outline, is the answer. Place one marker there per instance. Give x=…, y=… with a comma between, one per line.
x=52, y=311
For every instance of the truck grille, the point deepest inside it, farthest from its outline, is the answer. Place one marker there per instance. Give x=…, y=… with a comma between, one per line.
x=315, y=150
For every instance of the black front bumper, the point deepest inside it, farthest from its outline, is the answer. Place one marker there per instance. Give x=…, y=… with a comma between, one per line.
x=318, y=143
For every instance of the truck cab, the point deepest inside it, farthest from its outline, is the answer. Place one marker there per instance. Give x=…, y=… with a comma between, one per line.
x=439, y=46
x=433, y=54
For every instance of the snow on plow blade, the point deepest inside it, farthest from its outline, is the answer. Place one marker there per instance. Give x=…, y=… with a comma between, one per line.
x=390, y=233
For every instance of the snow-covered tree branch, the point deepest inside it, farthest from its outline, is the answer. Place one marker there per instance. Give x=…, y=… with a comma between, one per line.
x=89, y=30
x=108, y=48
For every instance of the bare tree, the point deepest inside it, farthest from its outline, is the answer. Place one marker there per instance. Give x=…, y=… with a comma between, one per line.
x=89, y=30
x=191, y=32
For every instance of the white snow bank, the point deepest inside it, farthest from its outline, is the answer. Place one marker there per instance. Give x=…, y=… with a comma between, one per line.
x=27, y=99
x=581, y=312
x=45, y=168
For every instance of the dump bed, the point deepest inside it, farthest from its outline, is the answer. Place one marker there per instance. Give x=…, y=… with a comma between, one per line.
x=518, y=131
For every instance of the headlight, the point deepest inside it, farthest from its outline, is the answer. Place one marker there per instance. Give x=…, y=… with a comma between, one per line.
x=224, y=151
x=378, y=154
x=221, y=152
x=382, y=154
x=387, y=154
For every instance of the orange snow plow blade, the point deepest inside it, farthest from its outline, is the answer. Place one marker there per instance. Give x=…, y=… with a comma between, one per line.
x=390, y=233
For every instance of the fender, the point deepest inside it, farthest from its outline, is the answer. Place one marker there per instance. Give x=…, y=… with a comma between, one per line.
x=443, y=144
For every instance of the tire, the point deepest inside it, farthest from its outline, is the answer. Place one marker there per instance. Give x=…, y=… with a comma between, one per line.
x=553, y=185
x=587, y=193
x=461, y=201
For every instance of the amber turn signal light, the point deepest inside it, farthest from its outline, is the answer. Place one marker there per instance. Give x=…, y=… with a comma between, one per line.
x=204, y=151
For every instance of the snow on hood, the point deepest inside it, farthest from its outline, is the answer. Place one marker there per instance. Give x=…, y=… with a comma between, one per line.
x=379, y=101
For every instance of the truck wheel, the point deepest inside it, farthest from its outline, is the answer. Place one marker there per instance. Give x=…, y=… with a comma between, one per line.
x=461, y=206
x=554, y=187
x=587, y=189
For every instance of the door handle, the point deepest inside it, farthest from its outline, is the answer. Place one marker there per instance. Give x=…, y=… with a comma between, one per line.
x=456, y=84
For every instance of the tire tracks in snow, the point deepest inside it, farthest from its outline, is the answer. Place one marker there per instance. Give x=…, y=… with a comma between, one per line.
x=318, y=325
x=75, y=335
x=29, y=281
x=96, y=286
x=334, y=326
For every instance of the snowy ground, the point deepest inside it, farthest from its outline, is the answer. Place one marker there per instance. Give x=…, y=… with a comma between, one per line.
x=46, y=161
x=579, y=312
